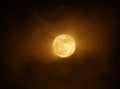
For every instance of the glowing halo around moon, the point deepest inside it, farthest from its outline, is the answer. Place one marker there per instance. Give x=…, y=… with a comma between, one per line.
x=63, y=46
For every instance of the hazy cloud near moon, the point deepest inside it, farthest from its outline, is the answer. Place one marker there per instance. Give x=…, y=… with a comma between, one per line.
x=32, y=63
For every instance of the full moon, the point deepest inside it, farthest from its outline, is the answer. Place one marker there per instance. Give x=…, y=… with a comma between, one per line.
x=63, y=45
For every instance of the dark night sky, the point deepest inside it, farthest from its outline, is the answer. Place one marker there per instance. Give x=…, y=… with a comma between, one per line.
x=28, y=27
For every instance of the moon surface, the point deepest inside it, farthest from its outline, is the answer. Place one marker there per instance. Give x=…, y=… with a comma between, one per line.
x=64, y=45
